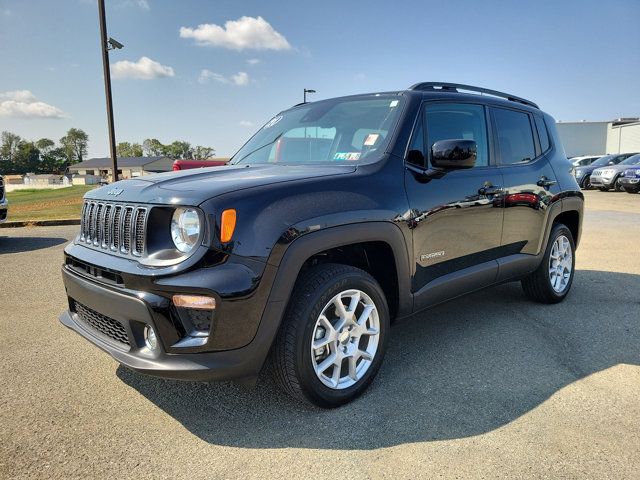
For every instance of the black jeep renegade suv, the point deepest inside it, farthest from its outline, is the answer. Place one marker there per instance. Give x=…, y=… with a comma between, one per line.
x=335, y=218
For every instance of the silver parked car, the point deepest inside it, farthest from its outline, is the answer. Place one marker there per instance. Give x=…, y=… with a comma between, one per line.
x=606, y=178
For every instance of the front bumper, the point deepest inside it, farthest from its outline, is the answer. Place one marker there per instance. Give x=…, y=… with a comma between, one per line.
x=603, y=182
x=131, y=310
x=630, y=183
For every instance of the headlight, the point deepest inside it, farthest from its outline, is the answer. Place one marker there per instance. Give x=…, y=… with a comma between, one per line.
x=185, y=229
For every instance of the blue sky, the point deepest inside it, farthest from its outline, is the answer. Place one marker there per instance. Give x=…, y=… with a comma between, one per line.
x=576, y=59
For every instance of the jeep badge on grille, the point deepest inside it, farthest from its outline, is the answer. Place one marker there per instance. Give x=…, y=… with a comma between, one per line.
x=115, y=191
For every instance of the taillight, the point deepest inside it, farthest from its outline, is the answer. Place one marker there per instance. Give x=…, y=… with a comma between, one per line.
x=175, y=167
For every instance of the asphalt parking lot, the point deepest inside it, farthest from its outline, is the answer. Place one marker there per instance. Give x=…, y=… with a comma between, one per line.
x=487, y=386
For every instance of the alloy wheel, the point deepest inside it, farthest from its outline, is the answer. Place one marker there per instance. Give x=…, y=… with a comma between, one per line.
x=345, y=339
x=560, y=263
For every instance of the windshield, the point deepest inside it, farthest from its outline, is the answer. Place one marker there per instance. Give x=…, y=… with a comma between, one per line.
x=633, y=160
x=345, y=131
x=602, y=161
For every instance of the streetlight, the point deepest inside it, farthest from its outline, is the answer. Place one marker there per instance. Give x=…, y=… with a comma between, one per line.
x=307, y=90
x=108, y=44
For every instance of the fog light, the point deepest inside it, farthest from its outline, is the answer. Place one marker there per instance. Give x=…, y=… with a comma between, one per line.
x=196, y=302
x=150, y=339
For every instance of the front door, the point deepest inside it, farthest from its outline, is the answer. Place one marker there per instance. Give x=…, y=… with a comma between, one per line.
x=456, y=218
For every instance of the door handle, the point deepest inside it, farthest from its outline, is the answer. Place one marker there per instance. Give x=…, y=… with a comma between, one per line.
x=489, y=189
x=545, y=182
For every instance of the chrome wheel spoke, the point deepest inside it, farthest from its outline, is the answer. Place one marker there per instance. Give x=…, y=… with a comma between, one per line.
x=560, y=263
x=346, y=332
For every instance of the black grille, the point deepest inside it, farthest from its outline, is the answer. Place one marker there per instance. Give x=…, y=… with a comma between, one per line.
x=118, y=228
x=126, y=230
x=139, y=233
x=103, y=324
x=1, y=188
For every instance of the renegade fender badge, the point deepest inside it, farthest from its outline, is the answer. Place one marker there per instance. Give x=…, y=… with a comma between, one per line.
x=428, y=256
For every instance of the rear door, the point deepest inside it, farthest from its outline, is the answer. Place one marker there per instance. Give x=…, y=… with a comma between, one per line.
x=529, y=180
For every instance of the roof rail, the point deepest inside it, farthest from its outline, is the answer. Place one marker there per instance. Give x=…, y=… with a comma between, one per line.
x=455, y=87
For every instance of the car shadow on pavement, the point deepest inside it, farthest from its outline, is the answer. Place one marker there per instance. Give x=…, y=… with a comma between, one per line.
x=463, y=368
x=27, y=244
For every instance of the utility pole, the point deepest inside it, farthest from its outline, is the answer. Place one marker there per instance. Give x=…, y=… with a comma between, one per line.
x=304, y=97
x=107, y=88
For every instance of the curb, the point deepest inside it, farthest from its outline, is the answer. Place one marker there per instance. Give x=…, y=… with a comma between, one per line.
x=41, y=223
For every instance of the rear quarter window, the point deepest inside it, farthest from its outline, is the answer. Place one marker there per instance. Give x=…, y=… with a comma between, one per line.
x=543, y=135
x=515, y=136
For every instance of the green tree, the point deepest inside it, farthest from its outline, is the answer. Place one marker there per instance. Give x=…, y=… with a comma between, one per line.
x=126, y=149
x=75, y=144
x=53, y=160
x=45, y=145
x=152, y=147
x=9, y=143
x=203, y=153
x=179, y=149
x=26, y=158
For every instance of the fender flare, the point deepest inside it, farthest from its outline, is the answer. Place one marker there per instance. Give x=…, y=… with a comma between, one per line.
x=313, y=243
x=310, y=244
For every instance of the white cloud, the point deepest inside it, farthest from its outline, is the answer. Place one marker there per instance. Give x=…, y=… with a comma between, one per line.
x=246, y=123
x=143, y=4
x=240, y=79
x=207, y=75
x=143, y=69
x=24, y=104
x=244, y=33
x=253, y=61
x=19, y=96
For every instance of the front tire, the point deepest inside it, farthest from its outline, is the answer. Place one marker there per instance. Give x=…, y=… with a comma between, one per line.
x=618, y=186
x=586, y=183
x=551, y=281
x=333, y=336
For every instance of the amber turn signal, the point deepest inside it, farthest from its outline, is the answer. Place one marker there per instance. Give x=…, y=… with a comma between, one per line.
x=227, y=225
x=196, y=302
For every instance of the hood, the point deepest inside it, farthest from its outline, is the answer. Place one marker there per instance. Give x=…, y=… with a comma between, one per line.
x=192, y=187
x=616, y=168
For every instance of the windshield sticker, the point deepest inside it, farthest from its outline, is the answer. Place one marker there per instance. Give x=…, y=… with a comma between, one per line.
x=347, y=156
x=371, y=139
x=272, y=122
x=393, y=103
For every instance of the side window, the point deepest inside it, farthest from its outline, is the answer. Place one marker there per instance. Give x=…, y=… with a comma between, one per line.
x=453, y=121
x=416, y=148
x=542, y=133
x=515, y=137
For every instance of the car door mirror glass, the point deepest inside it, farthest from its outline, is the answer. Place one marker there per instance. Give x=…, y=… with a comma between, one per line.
x=454, y=154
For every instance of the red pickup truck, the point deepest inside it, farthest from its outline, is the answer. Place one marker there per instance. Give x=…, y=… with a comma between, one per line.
x=187, y=164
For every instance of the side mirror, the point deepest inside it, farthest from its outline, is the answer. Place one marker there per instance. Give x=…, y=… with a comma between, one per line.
x=454, y=154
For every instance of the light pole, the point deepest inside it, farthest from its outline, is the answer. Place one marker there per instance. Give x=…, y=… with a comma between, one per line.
x=108, y=44
x=307, y=90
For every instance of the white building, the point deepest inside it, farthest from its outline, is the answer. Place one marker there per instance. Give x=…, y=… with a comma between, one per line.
x=128, y=167
x=599, y=138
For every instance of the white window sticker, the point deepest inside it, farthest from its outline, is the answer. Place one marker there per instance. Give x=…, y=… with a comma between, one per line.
x=393, y=103
x=272, y=122
x=347, y=156
x=371, y=139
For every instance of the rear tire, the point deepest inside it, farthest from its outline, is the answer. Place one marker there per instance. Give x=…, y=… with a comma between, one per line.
x=353, y=338
x=551, y=281
x=586, y=183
